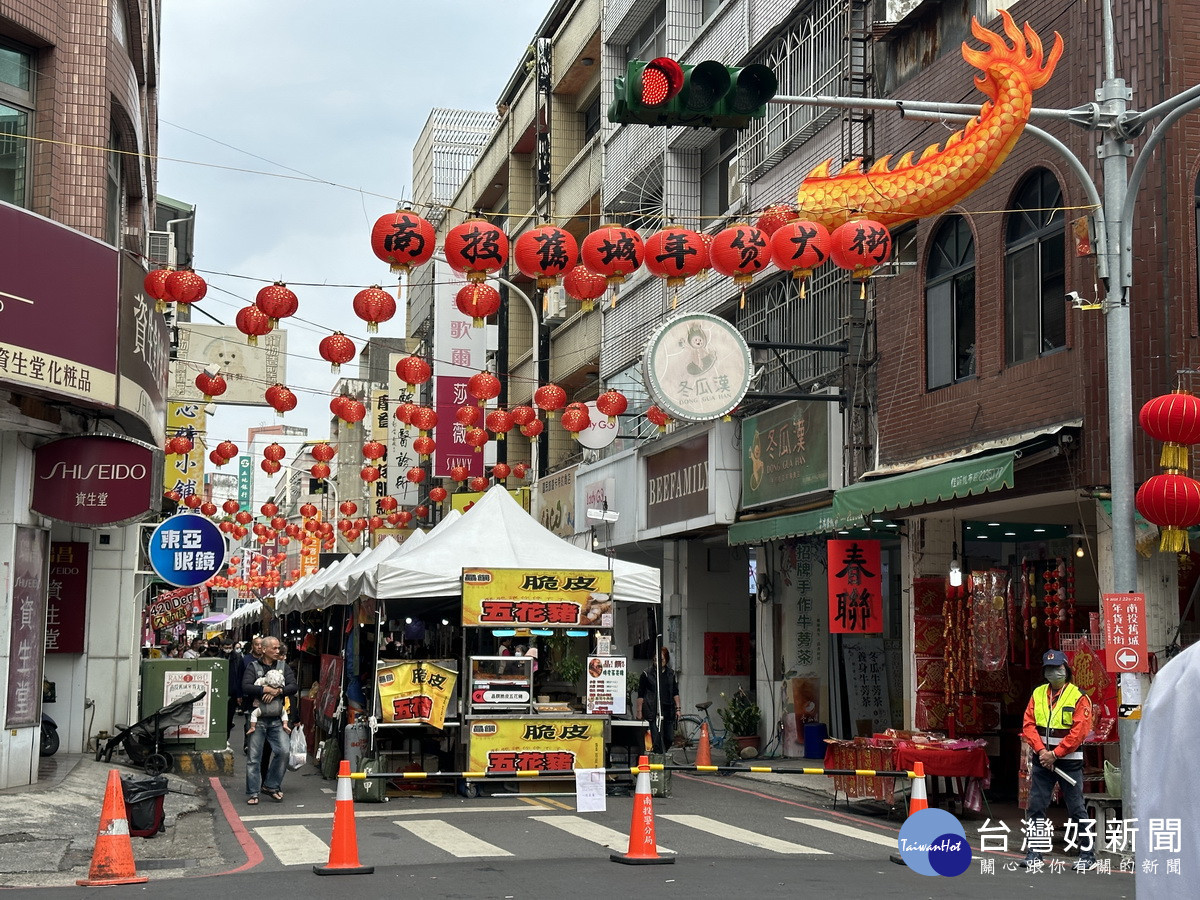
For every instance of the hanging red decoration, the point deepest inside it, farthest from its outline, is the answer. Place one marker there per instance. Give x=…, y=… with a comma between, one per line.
x=192, y=501
x=184, y=286
x=659, y=418
x=545, y=253
x=210, y=386
x=252, y=322
x=279, y=523
x=585, y=286
x=522, y=415
x=520, y=470
x=274, y=451
x=775, y=217
x=576, y=418
x=1174, y=419
x=477, y=301
x=424, y=418
x=320, y=471
x=269, y=510
x=374, y=450
x=499, y=421
x=323, y=452
x=404, y=412
x=217, y=459
x=740, y=252
x=1172, y=502
x=500, y=471
x=476, y=437
x=280, y=398
x=208, y=508
x=230, y=507
x=347, y=409
x=392, y=518
x=335, y=350
x=278, y=301
x=467, y=415
x=413, y=370
x=374, y=305
x=478, y=484
x=459, y=473
x=387, y=504
x=415, y=475
x=308, y=510
x=375, y=522
x=425, y=446
x=348, y=507
x=533, y=429
x=483, y=386
x=173, y=496
x=404, y=517
x=227, y=449
x=403, y=240
x=675, y=254
x=270, y=466
x=476, y=248
x=613, y=251
x=155, y=286
x=438, y=494
x=549, y=398
x=420, y=511
x=612, y=404
x=859, y=247
x=369, y=474
x=800, y=247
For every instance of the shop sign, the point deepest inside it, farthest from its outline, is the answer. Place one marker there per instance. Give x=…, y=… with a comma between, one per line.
x=245, y=369
x=398, y=437
x=94, y=480
x=178, y=684
x=855, y=587
x=554, y=505
x=170, y=607
x=244, y=477
x=551, y=598
x=600, y=433
x=459, y=351
x=697, y=367
x=727, y=653
x=143, y=352
x=677, y=483
x=310, y=552
x=186, y=550
x=537, y=743
x=416, y=692
x=66, y=598
x=864, y=661
x=785, y=453
x=27, y=627
x=1125, y=647
x=184, y=472
x=606, y=691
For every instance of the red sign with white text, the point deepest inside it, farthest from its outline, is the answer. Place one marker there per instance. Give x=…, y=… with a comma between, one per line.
x=66, y=600
x=855, y=587
x=1125, y=633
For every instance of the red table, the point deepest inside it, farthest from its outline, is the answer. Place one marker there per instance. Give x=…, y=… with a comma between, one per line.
x=969, y=762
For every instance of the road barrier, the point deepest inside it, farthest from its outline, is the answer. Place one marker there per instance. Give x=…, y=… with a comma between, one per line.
x=634, y=770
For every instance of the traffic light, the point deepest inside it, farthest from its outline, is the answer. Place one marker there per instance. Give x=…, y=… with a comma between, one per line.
x=708, y=94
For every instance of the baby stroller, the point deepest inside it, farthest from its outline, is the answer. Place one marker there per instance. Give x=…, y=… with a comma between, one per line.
x=143, y=739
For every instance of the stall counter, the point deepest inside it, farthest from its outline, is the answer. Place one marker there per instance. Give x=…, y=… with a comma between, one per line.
x=506, y=744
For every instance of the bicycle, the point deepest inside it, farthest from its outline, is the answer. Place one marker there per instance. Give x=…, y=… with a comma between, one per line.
x=687, y=731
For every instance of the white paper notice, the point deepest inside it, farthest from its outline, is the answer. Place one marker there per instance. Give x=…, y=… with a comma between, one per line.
x=589, y=790
x=1131, y=689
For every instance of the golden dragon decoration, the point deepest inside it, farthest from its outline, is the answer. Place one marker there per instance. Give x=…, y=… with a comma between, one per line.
x=944, y=175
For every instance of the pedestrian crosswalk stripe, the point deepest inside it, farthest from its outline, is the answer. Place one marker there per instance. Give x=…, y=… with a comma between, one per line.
x=592, y=831
x=453, y=840
x=294, y=845
x=860, y=834
x=370, y=812
x=741, y=835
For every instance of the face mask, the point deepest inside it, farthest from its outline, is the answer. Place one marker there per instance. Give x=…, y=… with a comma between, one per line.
x=1055, y=674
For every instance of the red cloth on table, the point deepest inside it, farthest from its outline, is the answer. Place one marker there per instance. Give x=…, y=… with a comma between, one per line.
x=971, y=762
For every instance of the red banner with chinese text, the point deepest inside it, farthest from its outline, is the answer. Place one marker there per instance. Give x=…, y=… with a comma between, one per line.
x=855, y=587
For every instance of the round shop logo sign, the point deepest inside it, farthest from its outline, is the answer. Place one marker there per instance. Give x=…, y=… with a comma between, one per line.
x=697, y=367
x=932, y=842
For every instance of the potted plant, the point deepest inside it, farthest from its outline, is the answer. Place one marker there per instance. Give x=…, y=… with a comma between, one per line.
x=741, y=718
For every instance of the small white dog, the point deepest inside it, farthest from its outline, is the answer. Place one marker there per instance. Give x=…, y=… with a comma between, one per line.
x=273, y=679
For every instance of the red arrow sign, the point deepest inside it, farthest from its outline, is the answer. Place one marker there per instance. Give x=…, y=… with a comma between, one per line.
x=1128, y=658
x=1125, y=633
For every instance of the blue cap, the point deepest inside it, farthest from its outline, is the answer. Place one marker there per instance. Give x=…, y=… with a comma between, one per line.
x=1054, y=658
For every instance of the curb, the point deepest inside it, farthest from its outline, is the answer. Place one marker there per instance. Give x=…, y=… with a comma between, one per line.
x=203, y=762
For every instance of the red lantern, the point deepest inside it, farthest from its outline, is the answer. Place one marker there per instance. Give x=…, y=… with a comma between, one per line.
x=775, y=217
x=499, y=421
x=320, y=471
x=575, y=418
x=210, y=386
x=424, y=418
x=467, y=415
x=404, y=412
x=173, y=496
x=335, y=350
x=192, y=501
x=270, y=466
x=279, y=523
x=533, y=429
x=860, y=246
x=308, y=510
x=550, y=397
x=403, y=240
x=243, y=518
x=612, y=404
x=274, y=452
x=375, y=522
x=520, y=470
x=437, y=494
x=421, y=511
x=217, y=459
x=483, y=386
x=613, y=251
x=374, y=450
x=425, y=446
x=252, y=322
x=1173, y=418
x=476, y=437
x=155, y=286
x=500, y=471
x=349, y=410
x=740, y=251
x=659, y=418
x=1172, y=502
x=184, y=286
x=416, y=474
x=230, y=506
x=227, y=449
x=413, y=370
x=208, y=509
x=675, y=254
x=522, y=415
x=478, y=483
x=459, y=473
x=477, y=301
x=545, y=253
x=800, y=247
x=585, y=286
x=348, y=507
x=369, y=474
x=323, y=452
x=476, y=248
x=374, y=305
x=280, y=397
x=387, y=504
x=269, y=510
x=392, y=518
x=404, y=517
x=278, y=301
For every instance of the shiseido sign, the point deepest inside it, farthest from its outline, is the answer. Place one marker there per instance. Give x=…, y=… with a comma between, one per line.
x=96, y=480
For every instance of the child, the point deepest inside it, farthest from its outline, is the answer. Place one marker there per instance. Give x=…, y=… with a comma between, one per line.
x=272, y=679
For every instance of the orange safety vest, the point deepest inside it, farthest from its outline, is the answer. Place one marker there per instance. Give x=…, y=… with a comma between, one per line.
x=1055, y=723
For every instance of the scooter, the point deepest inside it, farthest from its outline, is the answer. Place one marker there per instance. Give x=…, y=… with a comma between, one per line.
x=49, y=736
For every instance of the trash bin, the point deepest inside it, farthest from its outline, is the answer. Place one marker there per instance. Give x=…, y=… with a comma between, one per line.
x=144, y=803
x=814, y=740
x=660, y=780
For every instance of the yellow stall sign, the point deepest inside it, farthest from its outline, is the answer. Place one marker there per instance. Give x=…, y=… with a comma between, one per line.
x=553, y=598
x=537, y=743
x=416, y=692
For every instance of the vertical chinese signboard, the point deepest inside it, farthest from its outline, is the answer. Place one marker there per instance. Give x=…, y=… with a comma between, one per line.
x=1125, y=633
x=400, y=453
x=66, y=597
x=31, y=552
x=459, y=351
x=551, y=598
x=184, y=472
x=855, y=587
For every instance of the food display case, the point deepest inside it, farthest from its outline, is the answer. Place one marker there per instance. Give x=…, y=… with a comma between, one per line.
x=501, y=684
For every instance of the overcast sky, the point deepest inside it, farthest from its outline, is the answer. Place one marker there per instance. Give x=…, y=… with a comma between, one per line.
x=336, y=91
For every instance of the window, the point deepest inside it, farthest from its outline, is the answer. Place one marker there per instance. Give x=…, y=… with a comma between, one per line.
x=114, y=204
x=714, y=175
x=950, y=305
x=16, y=110
x=707, y=8
x=650, y=41
x=1035, y=314
x=591, y=118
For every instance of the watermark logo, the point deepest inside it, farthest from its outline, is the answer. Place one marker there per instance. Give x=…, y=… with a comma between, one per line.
x=933, y=842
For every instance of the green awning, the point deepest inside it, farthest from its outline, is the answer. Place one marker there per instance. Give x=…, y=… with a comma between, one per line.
x=933, y=485
x=813, y=521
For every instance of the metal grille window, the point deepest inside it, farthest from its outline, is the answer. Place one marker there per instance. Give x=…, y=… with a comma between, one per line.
x=1035, y=314
x=950, y=305
x=650, y=40
x=16, y=111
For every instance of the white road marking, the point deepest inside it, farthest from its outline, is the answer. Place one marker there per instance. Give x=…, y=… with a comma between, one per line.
x=453, y=840
x=859, y=834
x=381, y=811
x=742, y=835
x=592, y=831
x=294, y=845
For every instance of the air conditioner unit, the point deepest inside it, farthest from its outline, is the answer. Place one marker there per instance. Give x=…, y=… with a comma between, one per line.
x=736, y=185
x=160, y=248
x=554, y=304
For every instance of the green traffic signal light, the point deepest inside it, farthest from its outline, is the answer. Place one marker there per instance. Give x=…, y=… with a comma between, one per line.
x=708, y=94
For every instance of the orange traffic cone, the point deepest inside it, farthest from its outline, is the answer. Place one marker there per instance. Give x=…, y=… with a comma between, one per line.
x=918, y=800
x=643, y=846
x=112, y=858
x=704, y=751
x=343, y=844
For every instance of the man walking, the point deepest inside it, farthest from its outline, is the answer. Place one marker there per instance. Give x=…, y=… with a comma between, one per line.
x=270, y=722
x=651, y=685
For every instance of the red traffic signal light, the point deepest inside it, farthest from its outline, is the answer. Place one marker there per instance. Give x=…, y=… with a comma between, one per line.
x=662, y=80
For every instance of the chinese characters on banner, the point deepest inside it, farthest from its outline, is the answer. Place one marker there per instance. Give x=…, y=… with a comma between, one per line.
x=66, y=597
x=400, y=453
x=726, y=653
x=855, y=587
x=546, y=597
x=541, y=743
x=867, y=688
x=1125, y=633
x=185, y=472
x=606, y=685
x=25, y=646
x=459, y=351
x=175, y=606
x=416, y=692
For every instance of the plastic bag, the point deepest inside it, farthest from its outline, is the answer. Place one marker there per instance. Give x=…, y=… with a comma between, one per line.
x=298, y=755
x=1112, y=779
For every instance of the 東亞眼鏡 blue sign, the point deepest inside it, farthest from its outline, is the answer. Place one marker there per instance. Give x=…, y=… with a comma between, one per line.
x=186, y=550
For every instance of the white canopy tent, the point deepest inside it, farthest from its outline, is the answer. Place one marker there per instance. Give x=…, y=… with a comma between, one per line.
x=496, y=532
x=347, y=583
x=299, y=597
x=244, y=614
